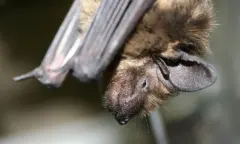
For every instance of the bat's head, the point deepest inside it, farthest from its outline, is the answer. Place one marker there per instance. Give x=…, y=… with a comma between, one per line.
x=133, y=88
x=140, y=85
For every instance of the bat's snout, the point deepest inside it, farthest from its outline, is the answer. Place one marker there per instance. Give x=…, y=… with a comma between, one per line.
x=122, y=120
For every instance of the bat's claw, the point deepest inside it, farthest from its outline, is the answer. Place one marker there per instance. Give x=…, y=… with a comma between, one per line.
x=47, y=78
x=31, y=74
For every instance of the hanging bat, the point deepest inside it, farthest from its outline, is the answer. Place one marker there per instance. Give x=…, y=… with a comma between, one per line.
x=162, y=50
x=162, y=57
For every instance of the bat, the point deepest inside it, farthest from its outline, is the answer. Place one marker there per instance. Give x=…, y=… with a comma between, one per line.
x=163, y=43
x=164, y=56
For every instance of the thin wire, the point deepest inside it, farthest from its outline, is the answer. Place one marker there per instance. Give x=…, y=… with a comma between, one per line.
x=158, y=127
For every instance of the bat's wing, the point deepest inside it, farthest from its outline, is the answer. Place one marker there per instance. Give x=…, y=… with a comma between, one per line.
x=57, y=52
x=88, y=57
x=113, y=23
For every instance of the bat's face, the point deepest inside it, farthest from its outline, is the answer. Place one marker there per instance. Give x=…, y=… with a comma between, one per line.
x=140, y=85
x=126, y=94
x=131, y=89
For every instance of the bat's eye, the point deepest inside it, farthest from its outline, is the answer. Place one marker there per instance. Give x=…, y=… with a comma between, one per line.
x=144, y=83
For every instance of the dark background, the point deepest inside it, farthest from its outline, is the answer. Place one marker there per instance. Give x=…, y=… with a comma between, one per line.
x=73, y=114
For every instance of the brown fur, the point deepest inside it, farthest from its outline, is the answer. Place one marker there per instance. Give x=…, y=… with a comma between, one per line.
x=166, y=24
x=170, y=22
x=122, y=83
x=164, y=27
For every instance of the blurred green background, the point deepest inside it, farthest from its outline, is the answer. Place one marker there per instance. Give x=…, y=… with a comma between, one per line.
x=73, y=114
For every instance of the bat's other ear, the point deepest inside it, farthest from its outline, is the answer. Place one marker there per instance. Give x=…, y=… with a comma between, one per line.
x=186, y=72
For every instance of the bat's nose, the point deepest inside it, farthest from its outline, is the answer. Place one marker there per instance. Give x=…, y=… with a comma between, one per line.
x=122, y=120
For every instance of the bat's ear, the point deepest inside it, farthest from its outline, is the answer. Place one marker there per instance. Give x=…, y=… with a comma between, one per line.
x=187, y=73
